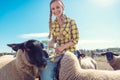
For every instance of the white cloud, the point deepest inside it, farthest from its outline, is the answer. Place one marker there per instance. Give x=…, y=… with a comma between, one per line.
x=104, y=3
x=34, y=35
x=94, y=41
x=97, y=44
x=82, y=44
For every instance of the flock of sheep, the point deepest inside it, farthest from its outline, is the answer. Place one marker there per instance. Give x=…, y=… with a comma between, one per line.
x=71, y=68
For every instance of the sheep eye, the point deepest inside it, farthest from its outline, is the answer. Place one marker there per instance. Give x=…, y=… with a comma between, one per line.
x=27, y=49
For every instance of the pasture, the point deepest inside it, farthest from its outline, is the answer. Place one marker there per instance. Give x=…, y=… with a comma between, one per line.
x=101, y=62
x=6, y=59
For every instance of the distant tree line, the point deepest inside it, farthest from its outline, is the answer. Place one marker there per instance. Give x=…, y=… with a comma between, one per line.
x=1, y=54
x=85, y=51
x=97, y=52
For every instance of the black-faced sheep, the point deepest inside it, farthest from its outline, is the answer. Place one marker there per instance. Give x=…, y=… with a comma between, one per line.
x=26, y=65
x=71, y=70
x=86, y=62
x=113, y=59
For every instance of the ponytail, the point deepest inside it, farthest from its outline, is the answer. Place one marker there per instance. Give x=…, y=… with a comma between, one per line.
x=50, y=24
x=50, y=18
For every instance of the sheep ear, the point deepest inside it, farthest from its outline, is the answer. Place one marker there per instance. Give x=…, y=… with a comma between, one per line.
x=115, y=54
x=82, y=55
x=13, y=46
x=103, y=54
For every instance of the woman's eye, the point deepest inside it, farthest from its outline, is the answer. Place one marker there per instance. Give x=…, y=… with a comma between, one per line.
x=53, y=8
x=57, y=7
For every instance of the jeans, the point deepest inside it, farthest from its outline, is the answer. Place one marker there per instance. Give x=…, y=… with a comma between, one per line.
x=49, y=72
x=75, y=52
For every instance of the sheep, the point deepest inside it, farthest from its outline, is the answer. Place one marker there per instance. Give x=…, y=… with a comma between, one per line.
x=71, y=70
x=113, y=60
x=86, y=62
x=29, y=59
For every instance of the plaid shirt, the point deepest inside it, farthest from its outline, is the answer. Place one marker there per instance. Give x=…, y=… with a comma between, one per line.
x=66, y=33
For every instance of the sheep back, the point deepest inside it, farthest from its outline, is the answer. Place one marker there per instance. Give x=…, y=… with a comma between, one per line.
x=115, y=62
x=88, y=63
x=71, y=70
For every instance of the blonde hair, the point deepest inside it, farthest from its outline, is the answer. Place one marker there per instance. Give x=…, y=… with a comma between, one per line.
x=50, y=18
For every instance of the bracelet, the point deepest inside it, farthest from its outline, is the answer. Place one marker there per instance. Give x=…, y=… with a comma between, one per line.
x=55, y=45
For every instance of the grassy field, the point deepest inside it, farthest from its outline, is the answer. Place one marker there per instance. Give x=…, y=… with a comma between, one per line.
x=102, y=63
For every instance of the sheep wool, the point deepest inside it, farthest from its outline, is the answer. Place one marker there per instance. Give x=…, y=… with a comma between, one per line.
x=115, y=63
x=88, y=63
x=17, y=69
x=71, y=70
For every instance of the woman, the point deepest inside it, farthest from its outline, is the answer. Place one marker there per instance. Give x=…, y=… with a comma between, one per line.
x=64, y=33
x=63, y=29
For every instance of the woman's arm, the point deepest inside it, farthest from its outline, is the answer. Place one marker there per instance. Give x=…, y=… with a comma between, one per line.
x=51, y=43
x=74, y=32
x=59, y=49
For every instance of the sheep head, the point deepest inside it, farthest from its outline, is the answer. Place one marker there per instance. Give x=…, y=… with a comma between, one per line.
x=109, y=55
x=34, y=52
x=80, y=54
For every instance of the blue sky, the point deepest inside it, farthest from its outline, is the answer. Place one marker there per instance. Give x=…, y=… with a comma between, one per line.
x=98, y=22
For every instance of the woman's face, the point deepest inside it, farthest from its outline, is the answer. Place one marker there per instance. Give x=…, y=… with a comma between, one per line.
x=57, y=9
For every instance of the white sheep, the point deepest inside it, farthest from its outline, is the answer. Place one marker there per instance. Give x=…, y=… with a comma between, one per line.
x=71, y=70
x=17, y=69
x=29, y=59
x=88, y=63
x=113, y=60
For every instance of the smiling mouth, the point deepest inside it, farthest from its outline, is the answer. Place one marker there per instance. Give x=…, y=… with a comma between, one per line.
x=56, y=13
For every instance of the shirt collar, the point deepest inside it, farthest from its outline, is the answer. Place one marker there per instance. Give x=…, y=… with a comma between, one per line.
x=64, y=19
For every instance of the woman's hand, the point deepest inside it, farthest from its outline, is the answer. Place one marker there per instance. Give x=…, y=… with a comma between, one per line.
x=59, y=49
x=51, y=43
